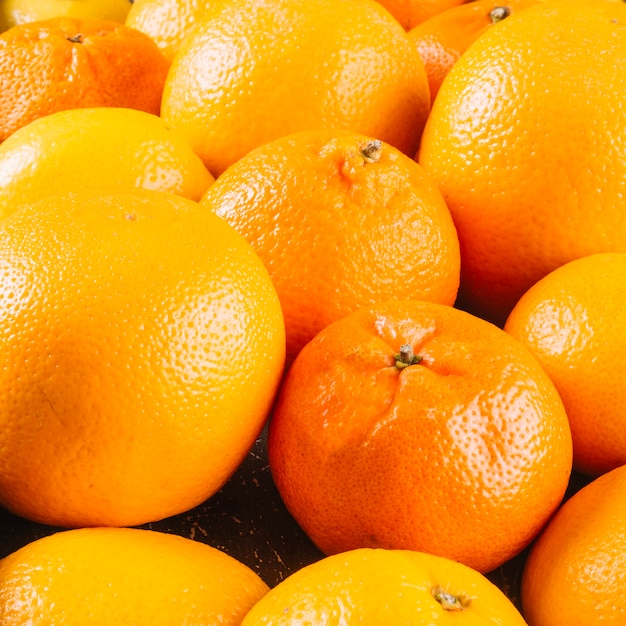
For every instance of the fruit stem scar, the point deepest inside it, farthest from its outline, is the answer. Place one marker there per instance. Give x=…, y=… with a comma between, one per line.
x=497, y=14
x=77, y=38
x=406, y=357
x=450, y=601
x=371, y=151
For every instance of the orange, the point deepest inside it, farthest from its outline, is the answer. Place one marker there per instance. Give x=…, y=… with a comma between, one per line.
x=410, y=13
x=573, y=322
x=576, y=571
x=341, y=221
x=97, y=147
x=142, y=345
x=366, y=586
x=113, y=576
x=442, y=38
x=67, y=63
x=414, y=425
x=344, y=64
x=14, y=12
x=526, y=140
x=167, y=22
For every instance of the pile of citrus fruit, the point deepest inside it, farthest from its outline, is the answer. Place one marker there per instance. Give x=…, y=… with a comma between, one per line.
x=379, y=246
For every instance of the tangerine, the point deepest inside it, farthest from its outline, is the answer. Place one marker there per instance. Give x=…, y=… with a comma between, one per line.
x=414, y=425
x=340, y=220
x=67, y=63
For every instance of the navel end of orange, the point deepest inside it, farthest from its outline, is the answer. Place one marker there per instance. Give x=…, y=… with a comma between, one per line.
x=372, y=150
x=406, y=357
x=451, y=601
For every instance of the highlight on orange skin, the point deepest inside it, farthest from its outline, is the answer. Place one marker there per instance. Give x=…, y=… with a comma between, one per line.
x=442, y=38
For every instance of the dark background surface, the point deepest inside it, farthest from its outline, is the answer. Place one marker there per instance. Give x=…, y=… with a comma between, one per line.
x=247, y=520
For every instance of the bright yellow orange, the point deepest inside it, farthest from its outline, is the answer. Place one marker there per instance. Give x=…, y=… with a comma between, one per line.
x=14, y=12
x=341, y=221
x=167, y=22
x=340, y=64
x=526, y=140
x=366, y=586
x=410, y=13
x=143, y=343
x=442, y=38
x=67, y=63
x=101, y=147
x=113, y=576
x=576, y=571
x=414, y=425
x=573, y=322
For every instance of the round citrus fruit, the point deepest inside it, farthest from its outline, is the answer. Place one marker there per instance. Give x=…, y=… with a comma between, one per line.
x=526, y=140
x=142, y=346
x=443, y=38
x=106, y=147
x=573, y=321
x=340, y=220
x=576, y=571
x=414, y=425
x=14, y=12
x=366, y=586
x=112, y=576
x=167, y=22
x=343, y=64
x=67, y=63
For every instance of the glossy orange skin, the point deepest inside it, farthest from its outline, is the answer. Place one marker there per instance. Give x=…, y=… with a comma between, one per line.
x=167, y=22
x=66, y=63
x=465, y=454
x=125, y=321
x=113, y=576
x=14, y=12
x=85, y=148
x=442, y=38
x=367, y=586
x=576, y=571
x=573, y=321
x=528, y=152
x=340, y=64
x=410, y=13
x=337, y=231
